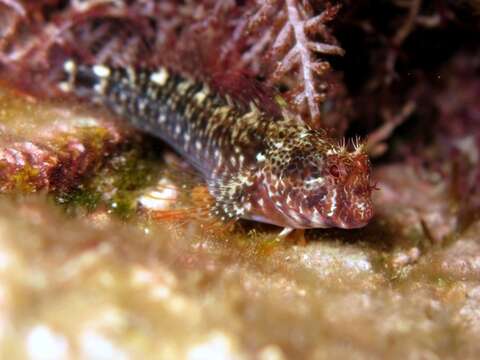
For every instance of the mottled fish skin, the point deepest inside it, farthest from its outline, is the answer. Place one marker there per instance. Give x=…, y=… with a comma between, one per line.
x=272, y=170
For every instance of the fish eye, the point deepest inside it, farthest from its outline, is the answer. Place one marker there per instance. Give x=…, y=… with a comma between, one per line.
x=334, y=171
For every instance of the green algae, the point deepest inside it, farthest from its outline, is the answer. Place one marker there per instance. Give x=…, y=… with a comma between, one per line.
x=86, y=199
x=116, y=186
x=23, y=180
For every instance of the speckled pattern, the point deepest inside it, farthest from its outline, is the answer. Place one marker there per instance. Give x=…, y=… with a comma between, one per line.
x=272, y=170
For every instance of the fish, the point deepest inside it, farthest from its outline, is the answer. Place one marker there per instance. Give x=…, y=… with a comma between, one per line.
x=267, y=168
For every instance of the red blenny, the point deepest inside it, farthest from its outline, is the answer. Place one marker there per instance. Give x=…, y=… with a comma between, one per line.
x=257, y=167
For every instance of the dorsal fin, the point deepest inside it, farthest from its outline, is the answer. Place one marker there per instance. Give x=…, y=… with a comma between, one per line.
x=246, y=91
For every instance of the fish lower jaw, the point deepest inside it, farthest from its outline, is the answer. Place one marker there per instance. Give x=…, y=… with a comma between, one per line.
x=351, y=226
x=289, y=223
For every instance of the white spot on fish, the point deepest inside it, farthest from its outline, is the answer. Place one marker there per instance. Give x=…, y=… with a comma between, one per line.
x=333, y=205
x=101, y=71
x=160, y=77
x=200, y=97
x=317, y=181
x=183, y=86
x=303, y=134
x=260, y=157
x=70, y=66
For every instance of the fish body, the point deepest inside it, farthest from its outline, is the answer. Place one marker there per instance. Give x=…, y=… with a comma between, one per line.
x=258, y=167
